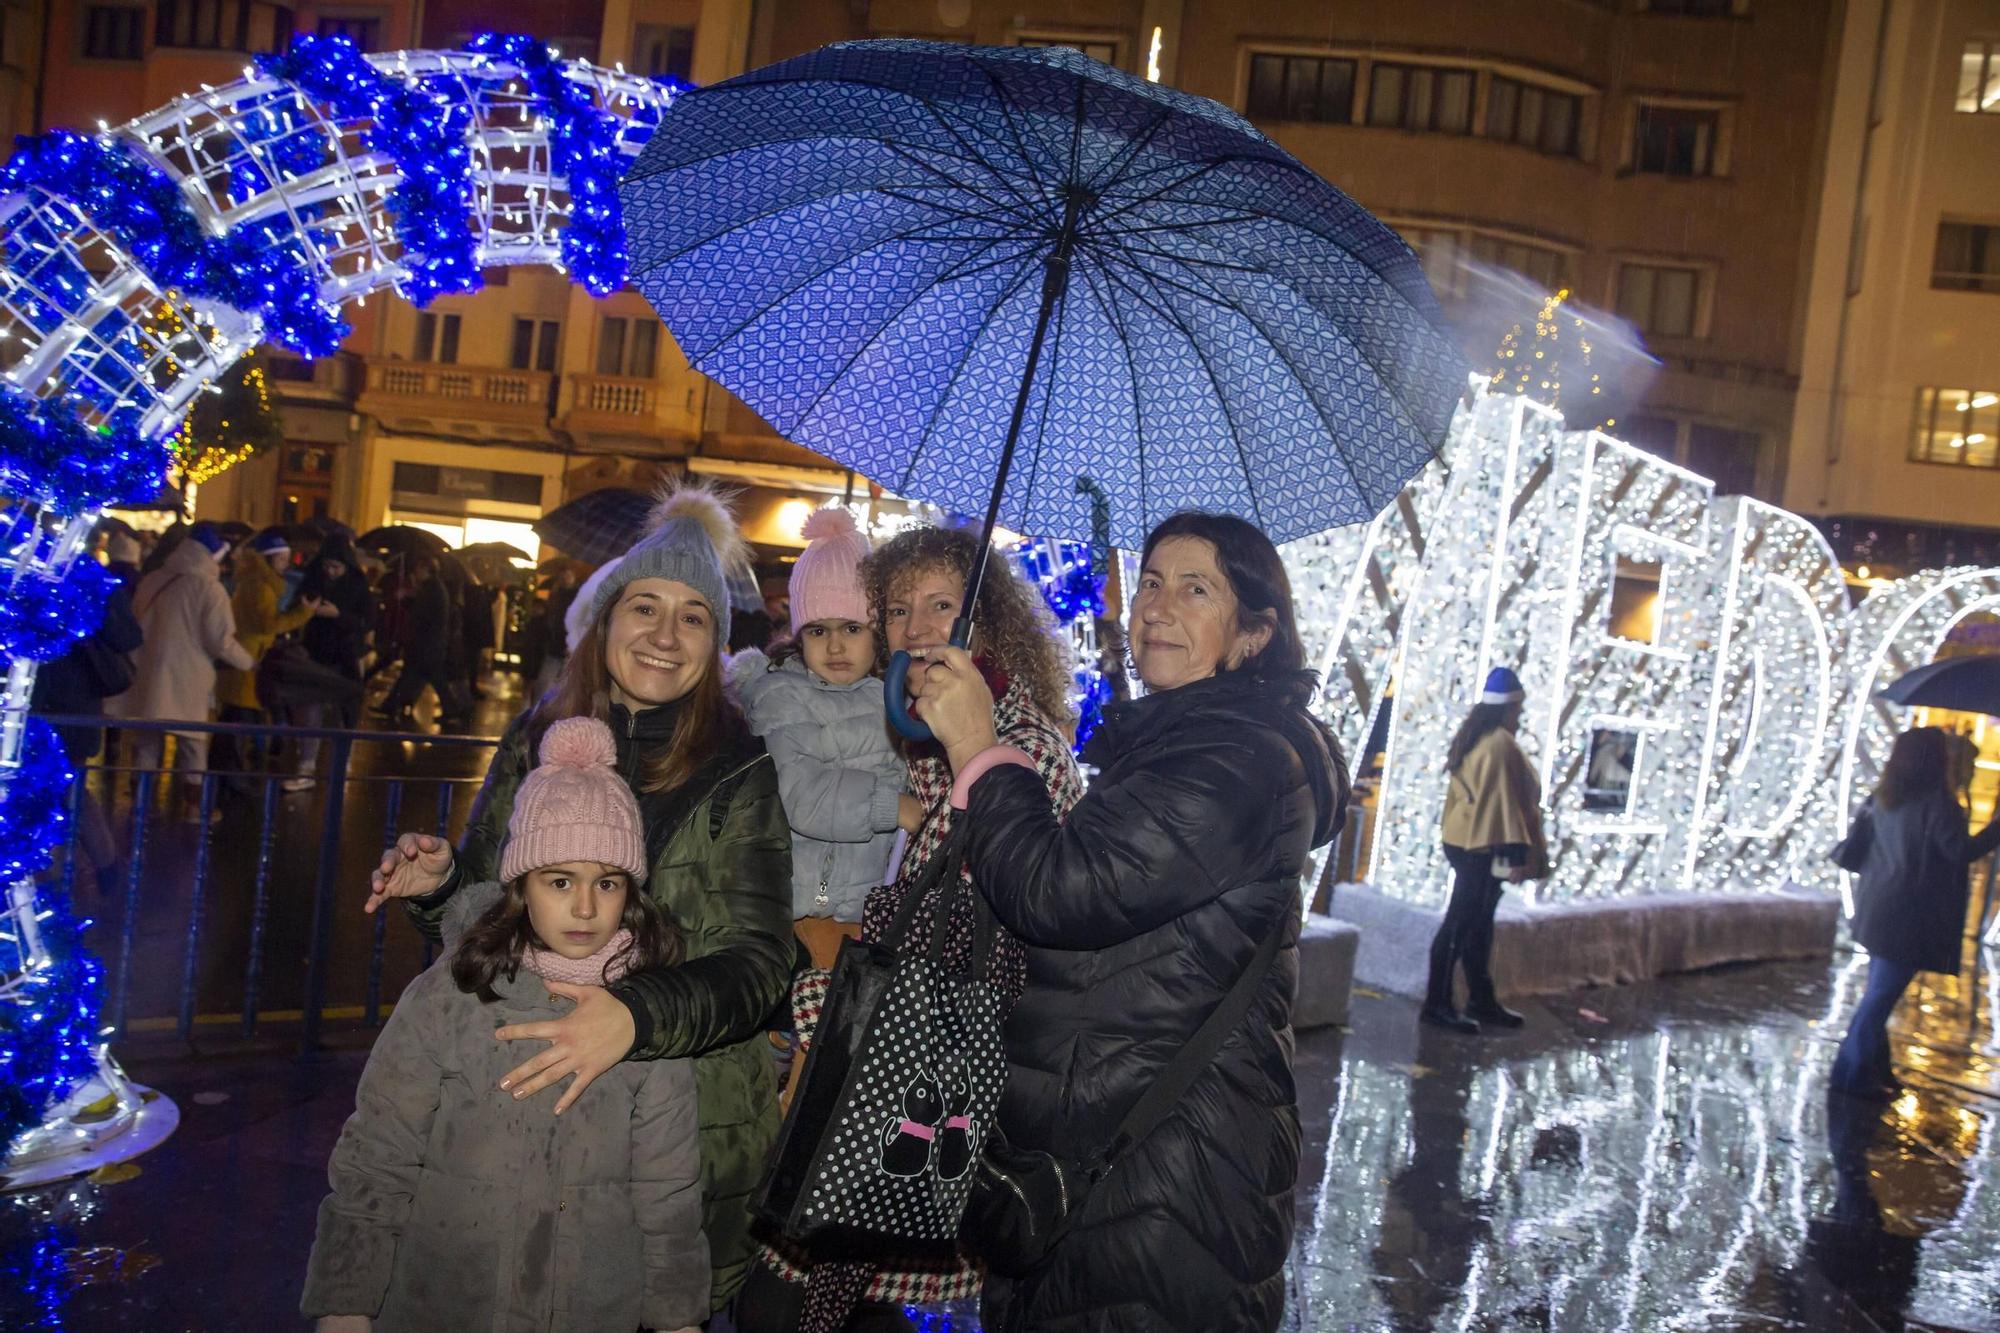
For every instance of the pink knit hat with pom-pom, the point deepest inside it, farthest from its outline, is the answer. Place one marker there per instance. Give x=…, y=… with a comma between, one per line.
x=826, y=581
x=575, y=807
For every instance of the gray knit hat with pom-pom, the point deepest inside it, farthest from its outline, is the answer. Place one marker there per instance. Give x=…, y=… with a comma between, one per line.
x=693, y=537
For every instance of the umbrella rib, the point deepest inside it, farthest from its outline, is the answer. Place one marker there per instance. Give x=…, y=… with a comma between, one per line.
x=923, y=439
x=1197, y=260
x=1305, y=387
x=808, y=280
x=1140, y=201
x=1116, y=316
x=914, y=159
x=1221, y=400
x=1133, y=147
x=1006, y=104
x=805, y=414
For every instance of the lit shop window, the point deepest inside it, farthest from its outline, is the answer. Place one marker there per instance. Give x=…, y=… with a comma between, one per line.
x=1979, y=77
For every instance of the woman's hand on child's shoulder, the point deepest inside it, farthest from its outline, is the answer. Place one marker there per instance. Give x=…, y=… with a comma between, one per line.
x=344, y=1323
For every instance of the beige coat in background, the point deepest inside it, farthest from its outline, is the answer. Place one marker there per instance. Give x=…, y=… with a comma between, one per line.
x=1494, y=798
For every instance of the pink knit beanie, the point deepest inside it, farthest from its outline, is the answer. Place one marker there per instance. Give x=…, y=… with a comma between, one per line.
x=575, y=807
x=826, y=581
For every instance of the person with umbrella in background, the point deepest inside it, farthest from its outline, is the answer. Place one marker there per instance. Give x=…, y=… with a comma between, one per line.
x=1911, y=902
x=335, y=638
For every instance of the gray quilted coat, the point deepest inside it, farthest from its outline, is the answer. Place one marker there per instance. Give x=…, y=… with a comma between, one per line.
x=456, y=1207
x=837, y=776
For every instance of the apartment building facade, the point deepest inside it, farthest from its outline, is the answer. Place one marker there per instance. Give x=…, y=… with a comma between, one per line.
x=1897, y=439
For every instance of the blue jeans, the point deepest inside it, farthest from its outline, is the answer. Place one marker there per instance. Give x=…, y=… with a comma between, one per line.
x=1863, y=1064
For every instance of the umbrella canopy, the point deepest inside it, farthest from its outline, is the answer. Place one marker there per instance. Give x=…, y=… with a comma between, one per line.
x=496, y=551
x=1968, y=683
x=494, y=562
x=598, y=527
x=876, y=244
x=400, y=540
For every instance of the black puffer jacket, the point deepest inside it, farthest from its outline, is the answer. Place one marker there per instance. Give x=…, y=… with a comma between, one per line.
x=1139, y=913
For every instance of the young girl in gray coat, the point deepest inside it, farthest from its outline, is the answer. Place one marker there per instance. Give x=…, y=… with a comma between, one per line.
x=818, y=705
x=457, y=1206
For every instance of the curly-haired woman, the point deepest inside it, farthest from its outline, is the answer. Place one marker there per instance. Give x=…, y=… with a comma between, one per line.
x=916, y=586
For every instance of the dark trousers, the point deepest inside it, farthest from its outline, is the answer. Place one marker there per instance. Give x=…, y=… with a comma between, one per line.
x=1465, y=937
x=1863, y=1064
x=410, y=684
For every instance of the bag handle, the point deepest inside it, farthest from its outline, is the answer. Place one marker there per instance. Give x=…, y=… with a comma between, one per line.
x=949, y=857
x=1187, y=1065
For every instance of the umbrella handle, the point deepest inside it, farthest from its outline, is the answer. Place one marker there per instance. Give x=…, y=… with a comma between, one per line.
x=895, y=681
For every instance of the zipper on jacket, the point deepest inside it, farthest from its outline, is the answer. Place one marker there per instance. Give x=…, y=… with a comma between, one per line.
x=820, y=900
x=1027, y=1209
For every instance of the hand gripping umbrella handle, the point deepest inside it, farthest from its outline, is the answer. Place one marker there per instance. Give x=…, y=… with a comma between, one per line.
x=895, y=683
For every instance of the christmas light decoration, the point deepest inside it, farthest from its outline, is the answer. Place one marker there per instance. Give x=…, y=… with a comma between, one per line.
x=1074, y=594
x=137, y=265
x=1537, y=365
x=1722, y=750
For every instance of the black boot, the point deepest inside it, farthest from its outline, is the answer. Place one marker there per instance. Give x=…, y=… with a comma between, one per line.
x=1438, y=1010
x=1485, y=1006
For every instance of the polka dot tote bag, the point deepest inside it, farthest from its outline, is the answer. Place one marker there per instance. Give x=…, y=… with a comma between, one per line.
x=899, y=1090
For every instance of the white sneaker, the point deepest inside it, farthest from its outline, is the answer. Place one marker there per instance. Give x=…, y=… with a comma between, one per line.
x=298, y=784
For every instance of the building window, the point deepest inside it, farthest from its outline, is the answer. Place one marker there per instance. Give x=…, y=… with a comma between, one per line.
x=1100, y=48
x=114, y=32
x=628, y=347
x=1957, y=426
x=223, y=25
x=1967, y=257
x=1661, y=299
x=1700, y=9
x=437, y=338
x=1979, y=77
x=1301, y=88
x=365, y=31
x=1420, y=97
x=663, y=52
x=1726, y=457
x=1675, y=140
x=1533, y=116
x=534, y=344
x=1443, y=251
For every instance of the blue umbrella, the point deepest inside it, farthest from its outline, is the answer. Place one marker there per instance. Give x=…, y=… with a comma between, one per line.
x=1970, y=683
x=979, y=274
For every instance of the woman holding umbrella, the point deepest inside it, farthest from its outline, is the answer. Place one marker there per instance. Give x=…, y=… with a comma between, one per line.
x=916, y=582
x=1142, y=912
x=1910, y=906
x=648, y=663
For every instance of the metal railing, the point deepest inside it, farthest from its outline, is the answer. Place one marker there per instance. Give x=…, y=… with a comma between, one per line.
x=234, y=878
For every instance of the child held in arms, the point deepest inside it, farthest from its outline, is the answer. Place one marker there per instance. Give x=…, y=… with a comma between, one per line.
x=455, y=1205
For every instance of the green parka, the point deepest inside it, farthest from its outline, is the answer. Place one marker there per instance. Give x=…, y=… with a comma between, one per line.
x=721, y=870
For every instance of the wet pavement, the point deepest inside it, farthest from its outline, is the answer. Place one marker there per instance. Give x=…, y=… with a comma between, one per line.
x=1658, y=1156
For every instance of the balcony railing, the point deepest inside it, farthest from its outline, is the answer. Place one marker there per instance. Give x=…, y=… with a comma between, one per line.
x=413, y=388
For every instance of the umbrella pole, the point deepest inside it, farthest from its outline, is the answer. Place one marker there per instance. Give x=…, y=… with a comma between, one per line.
x=1055, y=281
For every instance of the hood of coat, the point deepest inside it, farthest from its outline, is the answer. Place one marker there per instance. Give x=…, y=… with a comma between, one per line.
x=1230, y=700
x=192, y=558
x=257, y=573
x=755, y=679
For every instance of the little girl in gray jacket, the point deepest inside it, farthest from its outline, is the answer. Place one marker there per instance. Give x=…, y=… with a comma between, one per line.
x=818, y=705
x=456, y=1206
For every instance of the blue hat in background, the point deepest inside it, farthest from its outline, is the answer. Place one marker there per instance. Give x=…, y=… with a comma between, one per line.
x=1502, y=687
x=210, y=537
x=269, y=542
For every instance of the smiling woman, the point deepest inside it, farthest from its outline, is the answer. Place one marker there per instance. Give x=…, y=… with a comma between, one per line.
x=648, y=663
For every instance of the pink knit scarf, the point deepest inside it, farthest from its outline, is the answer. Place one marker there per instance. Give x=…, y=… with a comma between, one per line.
x=599, y=969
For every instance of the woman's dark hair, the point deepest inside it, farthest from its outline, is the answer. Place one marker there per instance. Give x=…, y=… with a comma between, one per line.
x=1249, y=562
x=1919, y=764
x=709, y=720
x=1256, y=575
x=497, y=941
x=1016, y=631
x=1481, y=721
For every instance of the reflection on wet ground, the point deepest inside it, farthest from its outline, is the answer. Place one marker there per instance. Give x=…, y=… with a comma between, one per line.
x=1658, y=1157
x=1649, y=1157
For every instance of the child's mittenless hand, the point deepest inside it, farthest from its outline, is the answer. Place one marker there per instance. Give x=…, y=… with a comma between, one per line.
x=344, y=1323
x=909, y=813
x=416, y=865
